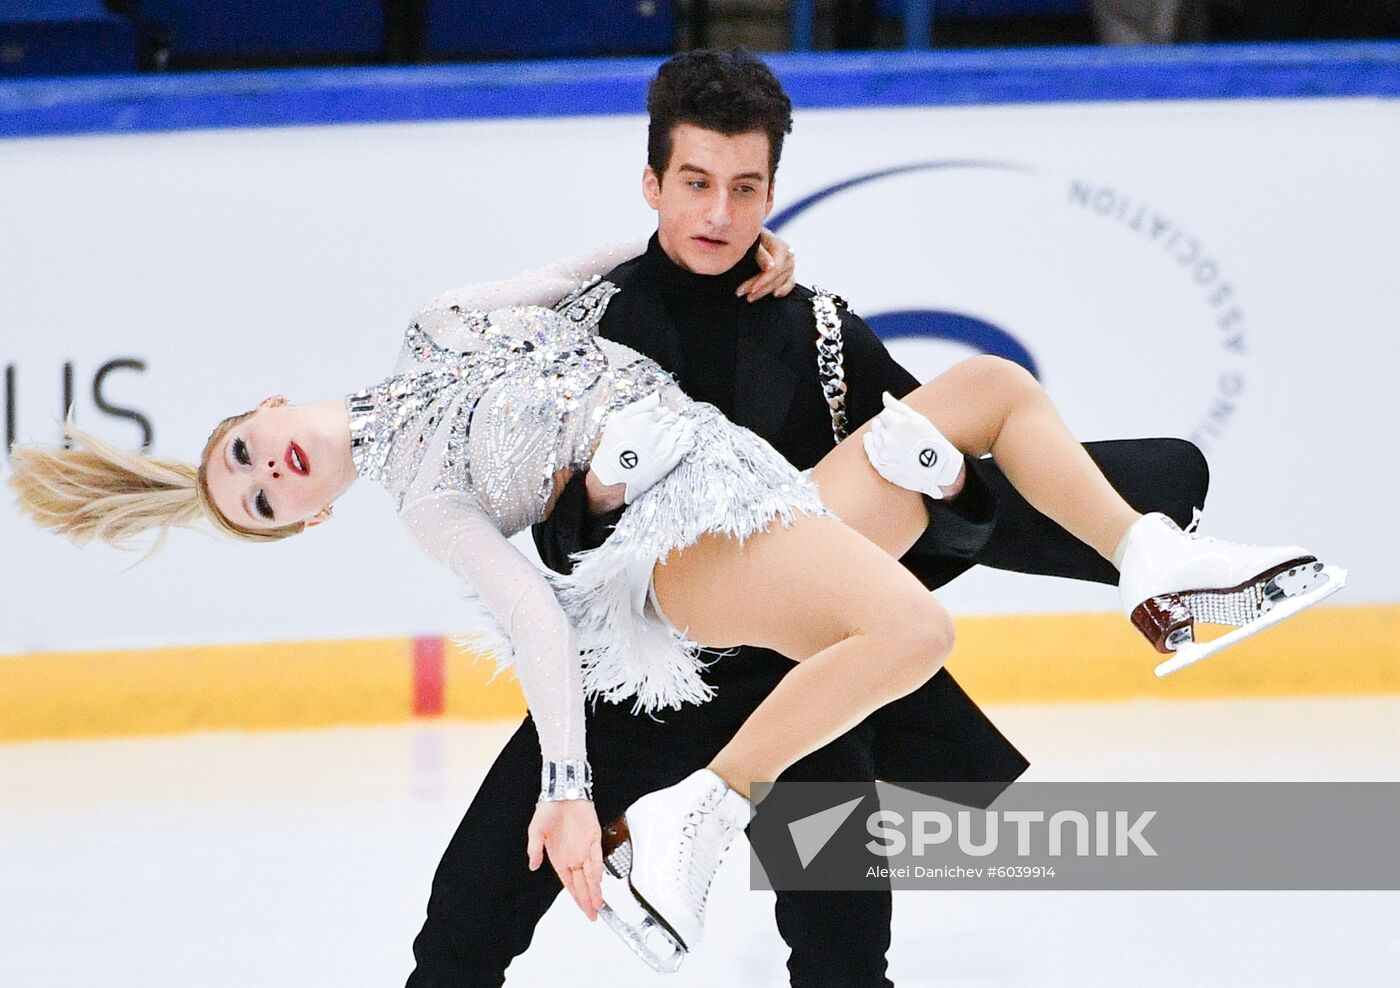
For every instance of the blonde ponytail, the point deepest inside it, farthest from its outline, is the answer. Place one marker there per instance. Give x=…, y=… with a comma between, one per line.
x=97, y=492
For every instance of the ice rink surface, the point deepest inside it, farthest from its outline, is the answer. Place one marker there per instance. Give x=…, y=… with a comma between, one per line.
x=304, y=858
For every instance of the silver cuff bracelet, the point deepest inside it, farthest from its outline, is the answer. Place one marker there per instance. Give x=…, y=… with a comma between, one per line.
x=571, y=778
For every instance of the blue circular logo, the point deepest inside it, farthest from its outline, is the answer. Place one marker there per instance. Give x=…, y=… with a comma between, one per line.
x=938, y=324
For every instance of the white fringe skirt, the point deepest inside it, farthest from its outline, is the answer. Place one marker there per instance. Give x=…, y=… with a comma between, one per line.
x=733, y=483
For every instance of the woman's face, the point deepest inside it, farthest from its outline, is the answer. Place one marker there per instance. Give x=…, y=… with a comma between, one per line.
x=274, y=469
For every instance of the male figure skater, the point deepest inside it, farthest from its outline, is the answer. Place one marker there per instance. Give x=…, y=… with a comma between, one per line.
x=717, y=123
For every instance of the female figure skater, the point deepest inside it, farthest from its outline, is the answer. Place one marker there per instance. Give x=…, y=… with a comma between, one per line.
x=491, y=406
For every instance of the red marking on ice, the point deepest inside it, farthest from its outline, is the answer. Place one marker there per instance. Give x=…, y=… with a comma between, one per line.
x=428, y=676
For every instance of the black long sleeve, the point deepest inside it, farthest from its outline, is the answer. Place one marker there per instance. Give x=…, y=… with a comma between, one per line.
x=570, y=528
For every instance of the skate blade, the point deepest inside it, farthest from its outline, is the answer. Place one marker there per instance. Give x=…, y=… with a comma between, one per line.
x=648, y=939
x=1334, y=578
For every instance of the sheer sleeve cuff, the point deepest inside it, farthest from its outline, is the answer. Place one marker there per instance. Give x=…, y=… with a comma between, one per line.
x=569, y=778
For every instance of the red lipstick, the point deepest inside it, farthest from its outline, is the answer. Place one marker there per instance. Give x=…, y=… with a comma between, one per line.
x=296, y=460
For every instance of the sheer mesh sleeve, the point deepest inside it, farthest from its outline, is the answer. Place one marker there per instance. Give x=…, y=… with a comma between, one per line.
x=452, y=528
x=542, y=286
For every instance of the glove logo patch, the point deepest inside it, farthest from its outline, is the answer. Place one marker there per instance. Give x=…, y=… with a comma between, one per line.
x=928, y=457
x=627, y=459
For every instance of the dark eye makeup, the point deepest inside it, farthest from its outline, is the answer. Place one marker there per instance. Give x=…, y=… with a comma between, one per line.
x=262, y=507
x=240, y=452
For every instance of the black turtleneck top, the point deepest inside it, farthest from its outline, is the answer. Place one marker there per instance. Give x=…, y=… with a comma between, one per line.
x=708, y=317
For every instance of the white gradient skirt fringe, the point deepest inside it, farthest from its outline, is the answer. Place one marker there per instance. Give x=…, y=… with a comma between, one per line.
x=732, y=483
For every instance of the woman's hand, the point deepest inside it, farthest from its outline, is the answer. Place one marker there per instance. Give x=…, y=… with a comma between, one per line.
x=778, y=269
x=567, y=830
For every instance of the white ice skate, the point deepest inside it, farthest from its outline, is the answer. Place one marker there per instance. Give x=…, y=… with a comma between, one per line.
x=667, y=848
x=1171, y=579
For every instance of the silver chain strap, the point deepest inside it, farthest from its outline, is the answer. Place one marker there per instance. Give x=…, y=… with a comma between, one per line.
x=830, y=365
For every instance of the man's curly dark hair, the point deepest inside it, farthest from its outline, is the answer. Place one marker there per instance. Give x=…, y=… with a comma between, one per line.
x=728, y=91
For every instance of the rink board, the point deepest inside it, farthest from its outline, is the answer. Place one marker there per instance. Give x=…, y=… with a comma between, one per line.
x=1329, y=651
x=1190, y=242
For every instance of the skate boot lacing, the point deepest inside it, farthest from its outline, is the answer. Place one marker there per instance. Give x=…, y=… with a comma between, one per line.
x=1195, y=536
x=705, y=835
x=1237, y=607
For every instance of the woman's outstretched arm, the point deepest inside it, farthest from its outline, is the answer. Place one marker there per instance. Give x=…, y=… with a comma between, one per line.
x=541, y=286
x=452, y=528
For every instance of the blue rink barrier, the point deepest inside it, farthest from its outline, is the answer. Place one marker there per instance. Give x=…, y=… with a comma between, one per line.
x=49, y=107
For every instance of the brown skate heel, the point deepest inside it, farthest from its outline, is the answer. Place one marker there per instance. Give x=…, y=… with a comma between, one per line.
x=617, y=848
x=1168, y=621
x=1165, y=621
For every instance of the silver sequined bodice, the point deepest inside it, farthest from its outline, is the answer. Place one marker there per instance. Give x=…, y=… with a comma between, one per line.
x=494, y=403
x=491, y=398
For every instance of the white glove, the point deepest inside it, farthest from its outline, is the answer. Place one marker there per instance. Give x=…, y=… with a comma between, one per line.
x=908, y=450
x=641, y=443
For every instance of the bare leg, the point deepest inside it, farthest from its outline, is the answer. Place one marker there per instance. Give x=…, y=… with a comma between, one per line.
x=984, y=405
x=863, y=629
x=990, y=405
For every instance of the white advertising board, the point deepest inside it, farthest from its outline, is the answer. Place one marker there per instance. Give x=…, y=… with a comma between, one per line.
x=1223, y=271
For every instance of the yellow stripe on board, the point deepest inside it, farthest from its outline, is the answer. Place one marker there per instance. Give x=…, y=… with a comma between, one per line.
x=206, y=687
x=1001, y=659
x=1051, y=658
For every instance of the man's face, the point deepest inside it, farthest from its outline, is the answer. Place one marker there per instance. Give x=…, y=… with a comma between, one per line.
x=713, y=198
